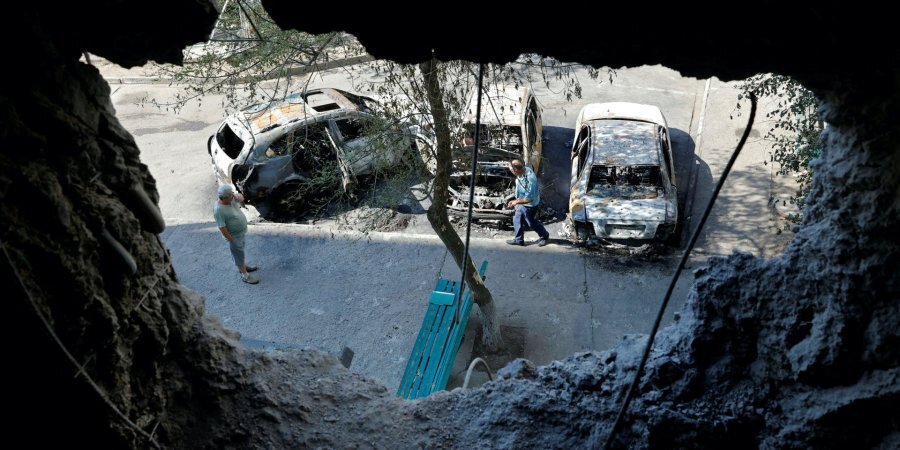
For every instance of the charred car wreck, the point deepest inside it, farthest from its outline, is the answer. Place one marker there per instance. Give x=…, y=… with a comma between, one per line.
x=510, y=129
x=623, y=179
x=296, y=155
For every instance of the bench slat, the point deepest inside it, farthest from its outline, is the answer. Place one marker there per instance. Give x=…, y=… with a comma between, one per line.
x=437, y=352
x=454, y=340
x=425, y=340
x=431, y=361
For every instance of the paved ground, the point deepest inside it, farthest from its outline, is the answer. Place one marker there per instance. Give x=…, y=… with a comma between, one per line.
x=327, y=288
x=369, y=293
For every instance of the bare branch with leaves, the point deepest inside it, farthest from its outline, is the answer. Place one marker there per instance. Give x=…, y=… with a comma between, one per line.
x=796, y=130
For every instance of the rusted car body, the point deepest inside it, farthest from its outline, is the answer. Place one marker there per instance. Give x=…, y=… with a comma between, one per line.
x=511, y=128
x=283, y=156
x=623, y=179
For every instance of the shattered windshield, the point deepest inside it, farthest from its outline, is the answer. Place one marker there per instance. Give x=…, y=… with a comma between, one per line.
x=505, y=137
x=625, y=182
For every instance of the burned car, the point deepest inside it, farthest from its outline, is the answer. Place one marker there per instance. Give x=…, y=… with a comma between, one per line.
x=510, y=129
x=295, y=155
x=623, y=179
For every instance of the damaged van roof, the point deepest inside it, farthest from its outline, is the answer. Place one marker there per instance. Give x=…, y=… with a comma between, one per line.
x=297, y=106
x=278, y=114
x=624, y=142
x=500, y=105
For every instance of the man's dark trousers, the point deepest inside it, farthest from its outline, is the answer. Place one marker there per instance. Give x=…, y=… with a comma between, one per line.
x=528, y=214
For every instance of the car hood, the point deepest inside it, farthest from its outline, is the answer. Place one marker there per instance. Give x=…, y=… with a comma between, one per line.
x=650, y=209
x=501, y=105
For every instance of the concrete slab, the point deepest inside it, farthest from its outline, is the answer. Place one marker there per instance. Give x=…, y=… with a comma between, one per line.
x=625, y=297
x=314, y=290
x=539, y=330
x=743, y=218
x=539, y=293
x=526, y=273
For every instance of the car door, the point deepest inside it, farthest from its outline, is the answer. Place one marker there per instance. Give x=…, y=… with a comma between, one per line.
x=666, y=145
x=581, y=154
x=530, y=118
x=353, y=145
x=263, y=168
x=365, y=146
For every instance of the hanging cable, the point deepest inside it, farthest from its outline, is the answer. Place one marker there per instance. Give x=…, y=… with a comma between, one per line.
x=629, y=394
x=477, y=137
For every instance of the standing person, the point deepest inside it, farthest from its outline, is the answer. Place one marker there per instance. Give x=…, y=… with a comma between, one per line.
x=528, y=197
x=233, y=225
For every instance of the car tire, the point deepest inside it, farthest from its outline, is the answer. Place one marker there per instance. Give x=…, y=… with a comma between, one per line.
x=675, y=239
x=285, y=201
x=581, y=231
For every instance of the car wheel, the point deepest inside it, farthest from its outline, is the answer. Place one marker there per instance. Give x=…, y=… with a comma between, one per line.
x=286, y=200
x=582, y=234
x=674, y=239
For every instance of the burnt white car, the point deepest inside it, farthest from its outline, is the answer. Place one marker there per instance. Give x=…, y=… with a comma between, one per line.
x=623, y=179
x=511, y=128
x=286, y=157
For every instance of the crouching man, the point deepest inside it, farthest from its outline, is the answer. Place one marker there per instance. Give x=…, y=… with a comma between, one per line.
x=528, y=196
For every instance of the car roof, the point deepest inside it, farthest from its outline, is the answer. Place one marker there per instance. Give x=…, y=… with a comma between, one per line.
x=300, y=105
x=501, y=104
x=622, y=110
x=624, y=142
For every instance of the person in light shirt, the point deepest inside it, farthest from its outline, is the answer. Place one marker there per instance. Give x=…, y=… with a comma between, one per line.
x=528, y=197
x=233, y=225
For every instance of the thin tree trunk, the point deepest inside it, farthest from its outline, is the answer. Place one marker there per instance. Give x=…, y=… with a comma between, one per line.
x=437, y=213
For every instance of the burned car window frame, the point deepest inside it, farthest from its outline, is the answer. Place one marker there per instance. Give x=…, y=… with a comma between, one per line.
x=501, y=139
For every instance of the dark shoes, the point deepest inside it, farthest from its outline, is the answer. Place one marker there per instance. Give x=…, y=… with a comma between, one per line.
x=251, y=268
x=540, y=243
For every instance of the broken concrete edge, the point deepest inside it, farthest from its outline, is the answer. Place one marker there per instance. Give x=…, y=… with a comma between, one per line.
x=345, y=356
x=299, y=70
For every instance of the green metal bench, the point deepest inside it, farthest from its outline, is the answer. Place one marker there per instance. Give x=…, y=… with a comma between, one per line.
x=431, y=361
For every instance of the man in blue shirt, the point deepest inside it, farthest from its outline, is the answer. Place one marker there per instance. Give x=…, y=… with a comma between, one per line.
x=528, y=197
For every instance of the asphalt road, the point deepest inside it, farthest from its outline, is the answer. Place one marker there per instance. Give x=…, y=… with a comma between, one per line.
x=327, y=287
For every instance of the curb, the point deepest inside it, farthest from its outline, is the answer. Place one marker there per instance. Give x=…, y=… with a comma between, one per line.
x=327, y=231
x=138, y=80
x=302, y=70
x=688, y=213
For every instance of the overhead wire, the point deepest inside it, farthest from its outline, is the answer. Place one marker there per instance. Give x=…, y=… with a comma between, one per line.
x=477, y=138
x=629, y=394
